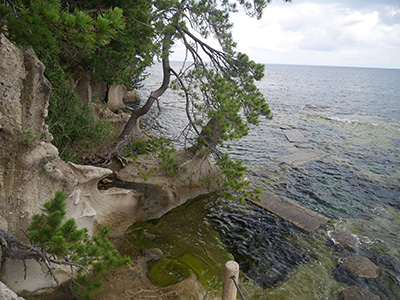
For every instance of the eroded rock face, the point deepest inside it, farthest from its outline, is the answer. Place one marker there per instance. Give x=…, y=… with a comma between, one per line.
x=30, y=168
x=115, y=95
x=24, y=93
x=162, y=192
x=93, y=208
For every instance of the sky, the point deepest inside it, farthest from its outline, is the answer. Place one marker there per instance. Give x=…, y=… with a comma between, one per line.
x=360, y=33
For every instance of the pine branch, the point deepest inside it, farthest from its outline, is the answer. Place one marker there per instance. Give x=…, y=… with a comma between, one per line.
x=14, y=248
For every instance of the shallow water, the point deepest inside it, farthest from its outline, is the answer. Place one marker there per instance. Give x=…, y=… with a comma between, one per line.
x=349, y=113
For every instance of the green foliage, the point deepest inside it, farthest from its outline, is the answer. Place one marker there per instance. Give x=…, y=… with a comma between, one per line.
x=65, y=241
x=234, y=184
x=112, y=43
x=125, y=58
x=159, y=147
x=72, y=123
x=222, y=99
x=47, y=26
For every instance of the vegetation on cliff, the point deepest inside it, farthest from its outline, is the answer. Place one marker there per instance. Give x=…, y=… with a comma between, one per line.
x=116, y=40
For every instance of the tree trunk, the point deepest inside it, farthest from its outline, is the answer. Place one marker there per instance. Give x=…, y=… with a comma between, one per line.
x=132, y=126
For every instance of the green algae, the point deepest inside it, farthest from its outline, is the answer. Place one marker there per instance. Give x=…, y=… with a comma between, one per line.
x=188, y=241
x=167, y=271
x=190, y=245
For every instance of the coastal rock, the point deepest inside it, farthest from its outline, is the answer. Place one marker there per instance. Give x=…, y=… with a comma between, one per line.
x=25, y=92
x=163, y=192
x=131, y=97
x=343, y=239
x=115, y=95
x=37, y=280
x=311, y=106
x=31, y=171
x=23, y=109
x=362, y=267
x=118, y=119
x=81, y=84
x=92, y=208
x=7, y=294
x=357, y=293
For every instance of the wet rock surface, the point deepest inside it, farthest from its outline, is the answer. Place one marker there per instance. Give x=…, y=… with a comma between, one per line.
x=344, y=275
x=343, y=239
x=362, y=267
x=357, y=293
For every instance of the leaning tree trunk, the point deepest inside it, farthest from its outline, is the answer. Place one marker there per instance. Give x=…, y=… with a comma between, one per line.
x=132, y=126
x=132, y=129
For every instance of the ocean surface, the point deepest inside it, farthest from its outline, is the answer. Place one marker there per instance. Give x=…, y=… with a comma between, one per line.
x=353, y=115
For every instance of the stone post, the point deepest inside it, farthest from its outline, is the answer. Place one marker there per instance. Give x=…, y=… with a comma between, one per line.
x=229, y=290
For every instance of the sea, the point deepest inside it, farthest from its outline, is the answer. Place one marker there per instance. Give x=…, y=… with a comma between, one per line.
x=352, y=115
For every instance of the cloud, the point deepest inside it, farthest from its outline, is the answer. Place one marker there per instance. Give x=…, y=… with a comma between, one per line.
x=363, y=33
x=358, y=33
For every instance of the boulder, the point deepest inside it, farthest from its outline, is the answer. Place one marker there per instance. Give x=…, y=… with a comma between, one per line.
x=118, y=119
x=131, y=97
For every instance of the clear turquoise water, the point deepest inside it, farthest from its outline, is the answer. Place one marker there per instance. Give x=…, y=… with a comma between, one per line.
x=353, y=115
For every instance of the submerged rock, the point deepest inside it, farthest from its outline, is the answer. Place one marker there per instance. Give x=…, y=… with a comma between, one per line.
x=357, y=293
x=362, y=267
x=362, y=275
x=343, y=239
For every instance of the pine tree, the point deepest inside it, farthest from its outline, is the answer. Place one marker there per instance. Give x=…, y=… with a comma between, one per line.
x=89, y=256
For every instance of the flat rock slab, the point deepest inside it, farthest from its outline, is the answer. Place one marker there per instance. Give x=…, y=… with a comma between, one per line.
x=302, y=157
x=362, y=267
x=343, y=239
x=357, y=293
x=294, y=213
x=294, y=136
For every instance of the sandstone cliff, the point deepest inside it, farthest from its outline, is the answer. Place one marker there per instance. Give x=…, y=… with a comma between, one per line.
x=31, y=171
